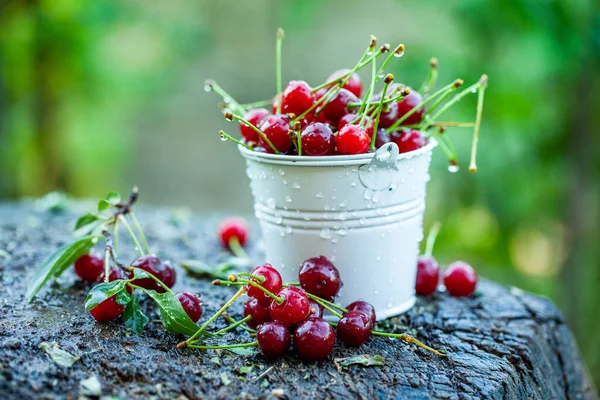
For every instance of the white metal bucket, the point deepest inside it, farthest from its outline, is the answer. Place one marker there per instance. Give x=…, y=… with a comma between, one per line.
x=363, y=212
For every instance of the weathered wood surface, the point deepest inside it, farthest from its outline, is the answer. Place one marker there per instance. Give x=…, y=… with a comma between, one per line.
x=504, y=344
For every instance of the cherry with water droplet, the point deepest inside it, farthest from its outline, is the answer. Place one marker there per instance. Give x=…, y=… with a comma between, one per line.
x=89, y=267
x=254, y=117
x=354, y=328
x=295, y=306
x=353, y=85
x=297, y=97
x=338, y=106
x=314, y=339
x=163, y=270
x=259, y=313
x=352, y=139
x=317, y=140
x=273, y=339
x=191, y=305
x=428, y=275
x=409, y=102
x=408, y=140
x=272, y=282
x=320, y=277
x=365, y=307
x=276, y=128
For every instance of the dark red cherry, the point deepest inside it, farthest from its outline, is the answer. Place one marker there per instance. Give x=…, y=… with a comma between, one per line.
x=297, y=98
x=191, y=305
x=295, y=306
x=164, y=271
x=408, y=103
x=316, y=309
x=349, y=118
x=114, y=273
x=365, y=307
x=352, y=139
x=460, y=279
x=314, y=339
x=354, y=328
x=273, y=339
x=108, y=310
x=272, y=283
x=354, y=84
x=381, y=138
x=338, y=106
x=320, y=277
x=276, y=129
x=389, y=114
x=428, y=275
x=408, y=140
x=89, y=267
x=233, y=227
x=254, y=117
x=259, y=313
x=317, y=140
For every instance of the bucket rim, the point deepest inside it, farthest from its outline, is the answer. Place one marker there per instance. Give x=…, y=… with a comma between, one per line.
x=327, y=161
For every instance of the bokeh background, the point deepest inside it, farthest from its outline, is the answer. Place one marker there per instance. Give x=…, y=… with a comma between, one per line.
x=100, y=95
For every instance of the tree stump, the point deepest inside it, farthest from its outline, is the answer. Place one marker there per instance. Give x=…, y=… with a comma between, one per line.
x=503, y=343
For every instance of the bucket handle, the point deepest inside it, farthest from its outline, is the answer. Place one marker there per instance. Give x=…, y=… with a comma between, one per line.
x=380, y=172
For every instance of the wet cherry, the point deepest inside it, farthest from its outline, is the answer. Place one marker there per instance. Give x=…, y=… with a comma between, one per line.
x=191, y=305
x=428, y=275
x=233, y=227
x=317, y=140
x=314, y=339
x=164, y=271
x=409, y=102
x=273, y=339
x=365, y=307
x=354, y=84
x=254, y=117
x=276, y=129
x=259, y=313
x=272, y=283
x=316, y=309
x=338, y=106
x=108, y=310
x=295, y=306
x=408, y=140
x=114, y=273
x=460, y=279
x=349, y=118
x=389, y=114
x=89, y=267
x=352, y=139
x=297, y=97
x=354, y=328
x=320, y=277
x=381, y=138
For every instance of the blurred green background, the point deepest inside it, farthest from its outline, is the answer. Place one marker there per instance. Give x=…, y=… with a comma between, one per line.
x=100, y=95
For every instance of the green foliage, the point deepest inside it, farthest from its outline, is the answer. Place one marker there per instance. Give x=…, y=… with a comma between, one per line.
x=173, y=316
x=133, y=317
x=106, y=290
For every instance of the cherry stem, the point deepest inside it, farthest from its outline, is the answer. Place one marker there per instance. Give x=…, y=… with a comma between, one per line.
x=398, y=97
x=280, y=35
x=138, y=227
x=446, y=124
x=232, y=320
x=481, y=93
x=107, y=261
x=260, y=279
x=362, y=111
x=378, y=113
x=330, y=304
x=431, y=79
x=154, y=278
x=133, y=237
x=240, y=292
x=253, y=127
x=430, y=242
x=116, y=236
x=234, y=325
x=447, y=148
x=409, y=339
x=237, y=249
x=231, y=103
x=299, y=140
x=324, y=304
x=443, y=91
x=227, y=136
x=257, y=104
x=291, y=284
x=277, y=299
x=453, y=101
x=224, y=346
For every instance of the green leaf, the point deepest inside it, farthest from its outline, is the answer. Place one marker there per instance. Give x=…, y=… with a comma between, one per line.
x=103, y=291
x=113, y=198
x=247, y=369
x=225, y=379
x=58, y=355
x=139, y=273
x=133, y=317
x=57, y=263
x=90, y=386
x=201, y=270
x=243, y=351
x=103, y=205
x=86, y=220
x=173, y=316
x=364, y=360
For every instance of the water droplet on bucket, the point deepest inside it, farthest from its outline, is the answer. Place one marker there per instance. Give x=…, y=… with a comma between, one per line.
x=319, y=195
x=325, y=233
x=353, y=184
x=281, y=172
x=271, y=203
x=285, y=182
x=288, y=229
x=368, y=195
x=343, y=204
x=343, y=231
x=288, y=199
x=378, y=258
x=296, y=185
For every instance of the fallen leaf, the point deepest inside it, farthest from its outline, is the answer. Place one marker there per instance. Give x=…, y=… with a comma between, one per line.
x=90, y=386
x=364, y=360
x=58, y=355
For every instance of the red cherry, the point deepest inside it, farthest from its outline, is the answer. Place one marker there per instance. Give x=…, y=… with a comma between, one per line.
x=320, y=277
x=408, y=140
x=354, y=84
x=354, y=328
x=89, y=267
x=191, y=305
x=297, y=98
x=295, y=306
x=317, y=140
x=254, y=117
x=114, y=273
x=428, y=275
x=314, y=339
x=352, y=139
x=276, y=129
x=389, y=114
x=381, y=138
x=233, y=227
x=272, y=283
x=259, y=313
x=108, y=310
x=365, y=307
x=349, y=118
x=338, y=107
x=273, y=339
x=316, y=309
x=408, y=103
x=460, y=279
x=164, y=271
